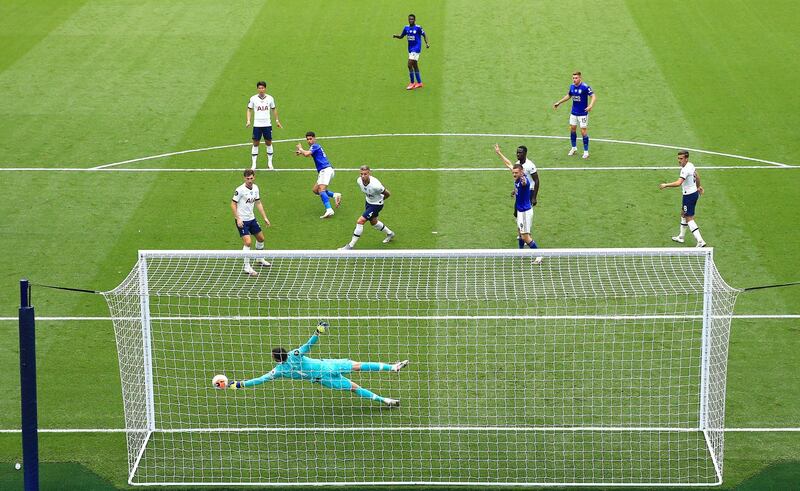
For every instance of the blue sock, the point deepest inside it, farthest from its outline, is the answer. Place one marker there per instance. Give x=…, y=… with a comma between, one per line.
x=361, y=391
x=573, y=137
x=375, y=367
x=325, y=200
x=586, y=143
x=416, y=74
x=411, y=76
x=521, y=243
x=533, y=245
x=329, y=193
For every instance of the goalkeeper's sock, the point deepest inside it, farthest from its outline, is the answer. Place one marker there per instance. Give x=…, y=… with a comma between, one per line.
x=684, y=226
x=521, y=242
x=254, y=155
x=362, y=392
x=695, y=230
x=356, y=234
x=375, y=367
x=325, y=201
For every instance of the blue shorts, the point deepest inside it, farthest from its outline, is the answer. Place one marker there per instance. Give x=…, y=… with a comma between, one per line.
x=265, y=131
x=689, y=202
x=249, y=227
x=371, y=211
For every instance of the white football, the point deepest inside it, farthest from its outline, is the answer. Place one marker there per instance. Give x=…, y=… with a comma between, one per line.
x=220, y=381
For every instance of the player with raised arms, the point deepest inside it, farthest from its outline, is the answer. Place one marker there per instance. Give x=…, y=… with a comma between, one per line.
x=324, y=173
x=530, y=173
x=245, y=198
x=375, y=195
x=261, y=104
x=329, y=373
x=689, y=181
x=524, y=208
x=583, y=98
x=414, y=35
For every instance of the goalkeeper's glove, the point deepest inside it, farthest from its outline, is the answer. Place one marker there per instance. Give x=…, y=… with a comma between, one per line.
x=321, y=327
x=235, y=385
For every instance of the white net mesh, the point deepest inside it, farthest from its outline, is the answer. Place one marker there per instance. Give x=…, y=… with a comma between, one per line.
x=592, y=367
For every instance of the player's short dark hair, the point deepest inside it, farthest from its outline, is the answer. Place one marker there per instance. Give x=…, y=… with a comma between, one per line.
x=523, y=147
x=577, y=73
x=518, y=166
x=279, y=354
x=311, y=133
x=412, y=15
x=684, y=153
x=261, y=83
x=249, y=172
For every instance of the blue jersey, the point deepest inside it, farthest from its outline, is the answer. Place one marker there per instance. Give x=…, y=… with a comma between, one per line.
x=414, y=34
x=320, y=159
x=523, y=198
x=580, y=98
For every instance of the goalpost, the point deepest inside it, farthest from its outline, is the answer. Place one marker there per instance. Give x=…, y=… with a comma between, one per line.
x=595, y=367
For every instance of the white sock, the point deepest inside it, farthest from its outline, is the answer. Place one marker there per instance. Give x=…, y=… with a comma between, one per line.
x=259, y=246
x=695, y=230
x=269, y=153
x=381, y=227
x=246, y=261
x=683, y=228
x=356, y=234
x=254, y=154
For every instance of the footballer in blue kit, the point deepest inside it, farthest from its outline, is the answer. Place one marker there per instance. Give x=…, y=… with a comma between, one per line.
x=324, y=173
x=329, y=373
x=583, y=99
x=523, y=206
x=414, y=34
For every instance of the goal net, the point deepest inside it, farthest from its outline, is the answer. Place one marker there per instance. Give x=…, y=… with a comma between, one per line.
x=593, y=367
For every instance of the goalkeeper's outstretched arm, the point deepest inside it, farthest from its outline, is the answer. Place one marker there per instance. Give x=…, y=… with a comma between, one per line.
x=321, y=327
x=240, y=384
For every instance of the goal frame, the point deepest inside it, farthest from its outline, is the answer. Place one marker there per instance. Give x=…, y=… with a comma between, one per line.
x=145, y=321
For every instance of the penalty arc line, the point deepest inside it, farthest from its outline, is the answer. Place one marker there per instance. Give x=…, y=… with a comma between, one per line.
x=494, y=135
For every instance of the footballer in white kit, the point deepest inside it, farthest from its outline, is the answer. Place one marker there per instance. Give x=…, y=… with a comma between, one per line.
x=261, y=105
x=689, y=182
x=245, y=198
x=375, y=194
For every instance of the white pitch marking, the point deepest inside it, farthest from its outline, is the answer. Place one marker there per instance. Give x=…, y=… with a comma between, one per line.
x=494, y=135
x=340, y=429
x=384, y=169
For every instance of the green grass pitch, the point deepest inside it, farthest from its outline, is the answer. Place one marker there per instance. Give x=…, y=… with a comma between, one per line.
x=88, y=83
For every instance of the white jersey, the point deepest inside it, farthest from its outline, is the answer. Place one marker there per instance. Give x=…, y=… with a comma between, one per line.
x=245, y=200
x=530, y=169
x=689, y=184
x=373, y=191
x=261, y=109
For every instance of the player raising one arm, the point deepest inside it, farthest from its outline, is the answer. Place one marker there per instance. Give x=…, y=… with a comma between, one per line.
x=328, y=373
x=324, y=173
x=524, y=208
x=689, y=181
x=530, y=172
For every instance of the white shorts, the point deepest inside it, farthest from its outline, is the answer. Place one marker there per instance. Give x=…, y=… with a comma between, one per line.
x=325, y=175
x=413, y=56
x=525, y=221
x=576, y=120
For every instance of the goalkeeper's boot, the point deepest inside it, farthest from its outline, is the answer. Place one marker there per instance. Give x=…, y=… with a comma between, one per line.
x=263, y=262
x=678, y=239
x=391, y=402
x=388, y=238
x=399, y=365
x=249, y=270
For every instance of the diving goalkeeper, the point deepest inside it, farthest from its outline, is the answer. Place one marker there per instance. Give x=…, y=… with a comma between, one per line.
x=328, y=373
